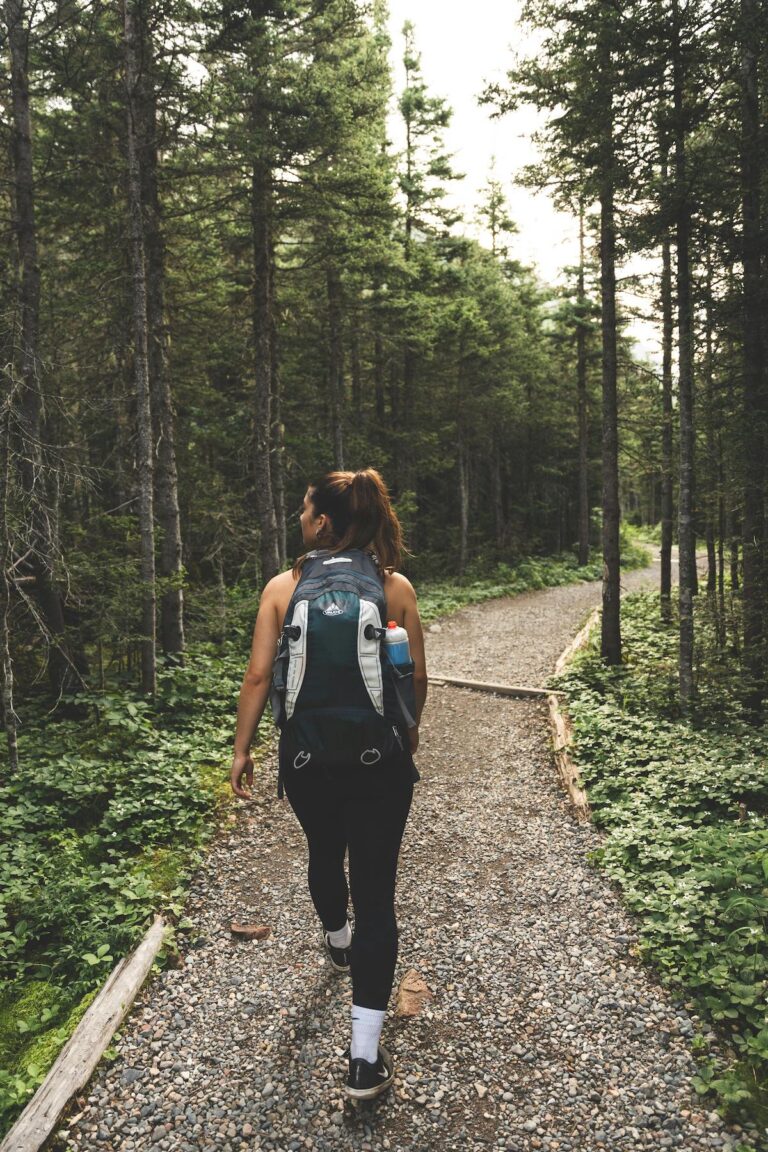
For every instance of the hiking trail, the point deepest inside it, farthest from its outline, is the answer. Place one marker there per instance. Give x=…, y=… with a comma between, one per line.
x=545, y=1032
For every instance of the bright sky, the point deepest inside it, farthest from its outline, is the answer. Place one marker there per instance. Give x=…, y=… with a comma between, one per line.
x=459, y=55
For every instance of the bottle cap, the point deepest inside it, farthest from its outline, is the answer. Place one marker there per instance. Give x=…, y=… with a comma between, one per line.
x=392, y=624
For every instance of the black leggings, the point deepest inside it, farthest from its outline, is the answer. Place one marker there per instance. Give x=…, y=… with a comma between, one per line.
x=363, y=809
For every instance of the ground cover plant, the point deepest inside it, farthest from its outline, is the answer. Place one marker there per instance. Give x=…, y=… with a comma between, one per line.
x=110, y=813
x=684, y=804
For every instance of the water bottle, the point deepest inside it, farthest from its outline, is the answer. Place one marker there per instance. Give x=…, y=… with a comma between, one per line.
x=396, y=644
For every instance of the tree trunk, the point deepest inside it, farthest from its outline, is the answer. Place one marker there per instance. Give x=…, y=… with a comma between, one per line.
x=66, y=671
x=261, y=214
x=278, y=457
x=335, y=362
x=610, y=643
x=161, y=398
x=754, y=446
x=141, y=363
x=277, y=439
x=463, y=499
x=581, y=383
x=357, y=376
x=687, y=542
x=498, y=494
x=711, y=452
x=666, y=430
x=6, y=560
x=721, y=532
x=379, y=376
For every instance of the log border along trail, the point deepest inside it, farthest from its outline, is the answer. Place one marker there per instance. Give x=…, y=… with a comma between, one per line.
x=542, y=1030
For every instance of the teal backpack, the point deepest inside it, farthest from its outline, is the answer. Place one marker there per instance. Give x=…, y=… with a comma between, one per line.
x=335, y=696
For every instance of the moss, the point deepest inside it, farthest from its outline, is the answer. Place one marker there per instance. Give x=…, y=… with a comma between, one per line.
x=44, y=1049
x=216, y=782
x=23, y=1002
x=165, y=868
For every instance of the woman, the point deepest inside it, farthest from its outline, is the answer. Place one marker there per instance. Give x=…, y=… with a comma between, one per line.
x=354, y=807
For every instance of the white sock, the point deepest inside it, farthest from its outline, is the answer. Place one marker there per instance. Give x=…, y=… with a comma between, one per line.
x=367, y=1024
x=342, y=938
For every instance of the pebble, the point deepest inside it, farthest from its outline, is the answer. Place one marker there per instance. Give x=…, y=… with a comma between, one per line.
x=544, y=1031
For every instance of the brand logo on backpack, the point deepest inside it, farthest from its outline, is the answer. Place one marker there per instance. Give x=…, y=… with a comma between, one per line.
x=301, y=759
x=370, y=756
x=338, y=560
x=333, y=610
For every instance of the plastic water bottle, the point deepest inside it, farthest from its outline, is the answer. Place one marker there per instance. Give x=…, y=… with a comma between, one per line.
x=396, y=644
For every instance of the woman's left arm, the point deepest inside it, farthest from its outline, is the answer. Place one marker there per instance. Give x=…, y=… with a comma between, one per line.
x=254, y=692
x=412, y=625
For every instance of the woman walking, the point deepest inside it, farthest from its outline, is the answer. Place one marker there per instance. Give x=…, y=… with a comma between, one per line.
x=344, y=805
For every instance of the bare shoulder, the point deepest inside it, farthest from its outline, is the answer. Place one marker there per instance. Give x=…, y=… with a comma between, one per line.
x=398, y=590
x=278, y=584
x=279, y=590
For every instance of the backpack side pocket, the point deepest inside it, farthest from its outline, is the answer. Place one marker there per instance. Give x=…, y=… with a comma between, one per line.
x=279, y=681
x=401, y=676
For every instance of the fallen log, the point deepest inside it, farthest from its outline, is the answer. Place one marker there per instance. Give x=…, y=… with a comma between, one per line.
x=579, y=641
x=80, y=1055
x=562, y=732
x=569, y=773
x=480, y=686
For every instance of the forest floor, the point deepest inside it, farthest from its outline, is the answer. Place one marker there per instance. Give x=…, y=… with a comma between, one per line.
x=544, y=1031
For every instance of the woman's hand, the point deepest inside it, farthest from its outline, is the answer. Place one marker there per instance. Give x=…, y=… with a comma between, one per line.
x=413, y=738
x=242, y=765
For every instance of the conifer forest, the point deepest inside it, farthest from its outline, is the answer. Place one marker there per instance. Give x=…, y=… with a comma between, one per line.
x=230, y=260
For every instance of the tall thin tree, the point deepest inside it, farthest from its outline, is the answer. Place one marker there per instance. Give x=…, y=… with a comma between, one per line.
x=144, y=462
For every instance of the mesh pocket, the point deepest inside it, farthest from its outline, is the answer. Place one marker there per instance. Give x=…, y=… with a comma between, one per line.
x=401, y=676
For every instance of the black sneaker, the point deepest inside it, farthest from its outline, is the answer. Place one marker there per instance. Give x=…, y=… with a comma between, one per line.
x=340, y=958
x=366, y=1080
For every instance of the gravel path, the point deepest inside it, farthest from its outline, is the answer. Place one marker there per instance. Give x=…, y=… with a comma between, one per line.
x=544, y=1032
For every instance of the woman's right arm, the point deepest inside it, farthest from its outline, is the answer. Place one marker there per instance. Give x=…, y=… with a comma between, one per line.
x=254, y=691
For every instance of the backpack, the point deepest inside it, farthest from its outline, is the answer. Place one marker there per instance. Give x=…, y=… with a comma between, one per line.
x=335, y=696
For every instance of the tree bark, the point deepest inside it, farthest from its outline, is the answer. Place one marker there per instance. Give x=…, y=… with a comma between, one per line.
x=66, y=671
x=667, y=509
x=161, y=395
x=262, y=312
x=6, y=560
x=753, y=590
x=277, y=465
x=581, y=384
x=463, y=467
x=497, y=490
x=335, y=362
x=711, y=451
x=610, y=642
x=686, y=537
x=378, y=372
x=131, y=47
x=357, y=376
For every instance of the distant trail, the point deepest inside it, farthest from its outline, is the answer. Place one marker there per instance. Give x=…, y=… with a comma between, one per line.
x=517, y=640
x=545, y=1032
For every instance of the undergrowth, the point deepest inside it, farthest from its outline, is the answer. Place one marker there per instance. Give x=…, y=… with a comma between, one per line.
x=102, y=828
x=684, y=803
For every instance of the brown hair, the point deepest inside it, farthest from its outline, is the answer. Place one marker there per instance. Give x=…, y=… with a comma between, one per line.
x=361, y=512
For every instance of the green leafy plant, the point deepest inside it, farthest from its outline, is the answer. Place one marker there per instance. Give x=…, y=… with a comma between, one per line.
x=684, y=803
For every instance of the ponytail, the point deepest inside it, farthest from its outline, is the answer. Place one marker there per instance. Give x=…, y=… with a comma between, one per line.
x=361, y=512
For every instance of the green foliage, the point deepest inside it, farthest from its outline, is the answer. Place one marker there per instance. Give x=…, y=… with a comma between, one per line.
x=685, y=806
x=36, y=1020
x=101, y=829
